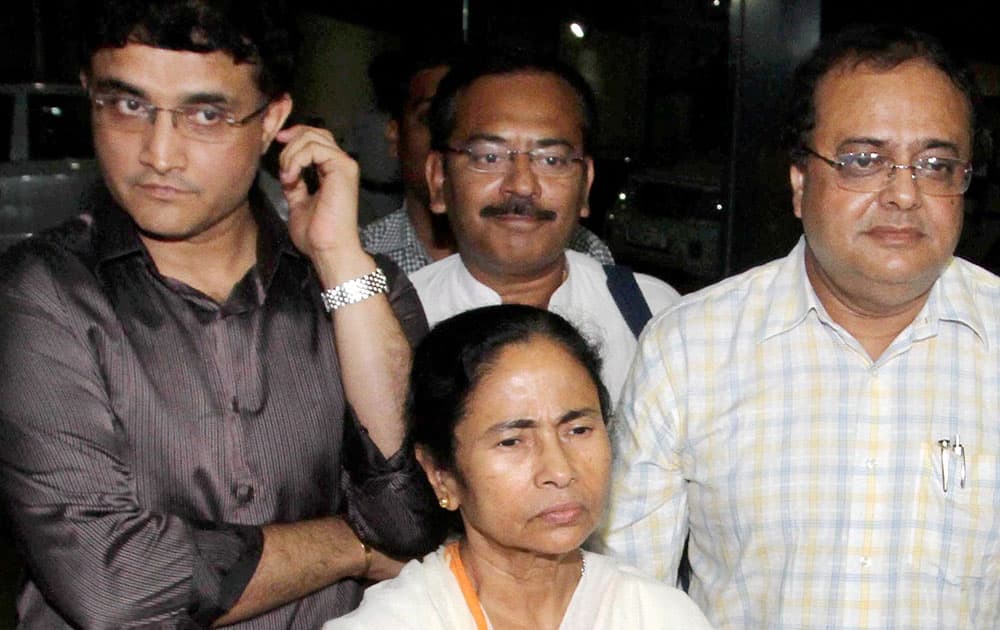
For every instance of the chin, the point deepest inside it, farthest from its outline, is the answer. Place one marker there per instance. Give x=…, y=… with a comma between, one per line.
x=562, y=542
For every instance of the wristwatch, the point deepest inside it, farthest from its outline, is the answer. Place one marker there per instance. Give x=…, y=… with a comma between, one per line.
x=354, y=291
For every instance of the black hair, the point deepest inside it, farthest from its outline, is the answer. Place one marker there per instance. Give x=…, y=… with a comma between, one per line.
x=416, y=60
x=478, y=63
x=882, y=47
x=458, y=352
x=259, y=32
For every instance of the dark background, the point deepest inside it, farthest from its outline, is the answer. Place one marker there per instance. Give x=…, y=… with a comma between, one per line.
x=689, y=91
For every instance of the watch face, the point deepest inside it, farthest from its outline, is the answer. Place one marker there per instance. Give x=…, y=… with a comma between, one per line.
x=356, y=290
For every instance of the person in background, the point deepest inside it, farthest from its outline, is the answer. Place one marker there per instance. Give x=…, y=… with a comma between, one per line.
x=822, y=429
x=507, y=413
x=413, y=236
x=381, y=188
x=186, y=437
x=509, y=166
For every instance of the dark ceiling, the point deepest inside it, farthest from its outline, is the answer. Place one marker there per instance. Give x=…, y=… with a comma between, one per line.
x=967, y=26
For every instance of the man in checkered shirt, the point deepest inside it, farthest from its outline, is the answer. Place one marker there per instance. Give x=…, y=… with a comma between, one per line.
x=823, y=429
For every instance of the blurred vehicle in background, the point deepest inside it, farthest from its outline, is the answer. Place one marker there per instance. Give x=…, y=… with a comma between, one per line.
x=46, y=156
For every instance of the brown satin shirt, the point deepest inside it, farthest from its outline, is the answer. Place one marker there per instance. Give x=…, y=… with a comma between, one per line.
x=147, y=432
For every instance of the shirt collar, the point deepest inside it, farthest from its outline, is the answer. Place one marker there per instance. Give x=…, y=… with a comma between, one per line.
x=791, y=298
x=953, y=299
x=790, y=295
x=115, y=235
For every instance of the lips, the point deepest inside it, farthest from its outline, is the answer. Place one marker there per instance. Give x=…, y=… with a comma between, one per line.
x=891, y=235
x=564, y=514
x=163, y=192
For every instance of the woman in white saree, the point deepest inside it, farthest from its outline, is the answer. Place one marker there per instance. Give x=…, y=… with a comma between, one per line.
x=507, y=415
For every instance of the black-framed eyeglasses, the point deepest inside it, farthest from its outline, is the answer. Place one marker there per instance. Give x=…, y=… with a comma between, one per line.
x=869, y=171
x=203, y=122
x=496, y=158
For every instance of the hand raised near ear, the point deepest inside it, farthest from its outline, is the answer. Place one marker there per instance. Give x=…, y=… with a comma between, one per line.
x=323, y=222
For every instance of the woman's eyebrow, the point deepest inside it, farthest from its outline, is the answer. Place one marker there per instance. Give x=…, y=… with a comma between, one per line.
x=518, y=423
x=573, y=414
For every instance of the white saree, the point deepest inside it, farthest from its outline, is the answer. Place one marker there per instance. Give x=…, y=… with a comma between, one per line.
x=426, y=596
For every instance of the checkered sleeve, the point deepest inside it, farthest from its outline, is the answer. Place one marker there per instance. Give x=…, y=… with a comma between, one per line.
x=646, y=521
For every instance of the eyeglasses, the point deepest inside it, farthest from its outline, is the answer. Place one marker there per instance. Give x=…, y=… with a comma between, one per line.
x=495, y=158
x=868, y=171
x=203, y=122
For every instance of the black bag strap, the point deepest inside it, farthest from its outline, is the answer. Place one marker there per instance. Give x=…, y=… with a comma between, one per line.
x=629, y=299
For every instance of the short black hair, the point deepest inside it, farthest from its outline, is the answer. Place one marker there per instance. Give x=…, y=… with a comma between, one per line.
x=259, y=32
x=458, y=352
x=415, y=60
x=882, y=47
x=482, y=62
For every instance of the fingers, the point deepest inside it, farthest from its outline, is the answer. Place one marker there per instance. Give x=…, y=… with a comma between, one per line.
x=305, y=146
x=324, y=223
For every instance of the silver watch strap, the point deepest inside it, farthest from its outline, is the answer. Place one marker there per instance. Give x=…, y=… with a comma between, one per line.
x=354, y=291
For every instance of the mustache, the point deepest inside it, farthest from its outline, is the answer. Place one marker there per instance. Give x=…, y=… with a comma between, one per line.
x=518, y=209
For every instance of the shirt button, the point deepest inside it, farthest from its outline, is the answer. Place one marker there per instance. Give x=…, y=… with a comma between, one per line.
x=244, y=494
x=870, y=463
x=865, y=562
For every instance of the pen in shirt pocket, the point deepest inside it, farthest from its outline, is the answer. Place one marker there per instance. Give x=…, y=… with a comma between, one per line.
x=951, y=448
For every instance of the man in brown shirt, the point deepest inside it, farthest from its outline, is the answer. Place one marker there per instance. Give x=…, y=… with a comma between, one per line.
x=185, y=438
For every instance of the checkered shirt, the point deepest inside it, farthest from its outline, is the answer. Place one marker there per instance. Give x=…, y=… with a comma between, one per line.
x=809, y=477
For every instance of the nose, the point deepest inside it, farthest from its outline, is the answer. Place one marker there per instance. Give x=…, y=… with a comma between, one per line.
x=555, y=466
x=163, y=148
x=902, y=190
x=520, y=178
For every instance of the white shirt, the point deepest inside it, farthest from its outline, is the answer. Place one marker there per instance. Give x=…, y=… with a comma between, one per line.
x=426, y=595
x=447, y=288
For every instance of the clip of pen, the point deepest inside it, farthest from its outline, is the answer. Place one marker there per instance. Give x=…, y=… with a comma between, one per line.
x=959, y=449
x=949, y=448
x=945, y=462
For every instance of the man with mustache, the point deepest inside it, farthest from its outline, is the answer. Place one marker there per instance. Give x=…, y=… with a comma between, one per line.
x=201, y=409
x=822, y=429
x=413, y=236
x=509, y=165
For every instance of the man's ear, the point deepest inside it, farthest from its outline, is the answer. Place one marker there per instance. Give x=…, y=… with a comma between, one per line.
x=587, y=183
x=797, y=176
x=392, y=138
x=434, y=170
x=275, y=115
x=83, y=78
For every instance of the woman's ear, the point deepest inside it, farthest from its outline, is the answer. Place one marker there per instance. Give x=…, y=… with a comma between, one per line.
x=441, y=480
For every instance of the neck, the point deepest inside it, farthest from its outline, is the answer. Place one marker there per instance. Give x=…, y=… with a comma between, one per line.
x=522, y=589
x=212, y=262
x=874, y=322
x=534, y=288
x=432, y=229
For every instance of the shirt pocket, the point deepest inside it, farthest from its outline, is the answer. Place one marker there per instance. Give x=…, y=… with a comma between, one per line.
x=953, y=534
